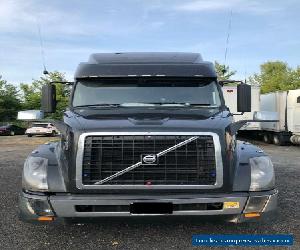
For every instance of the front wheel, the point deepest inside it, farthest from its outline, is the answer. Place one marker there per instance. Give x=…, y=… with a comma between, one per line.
x=29, y=135
x=12, y=133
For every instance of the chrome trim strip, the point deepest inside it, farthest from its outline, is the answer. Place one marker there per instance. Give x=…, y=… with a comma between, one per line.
x=140, y=163
x=125, y=170
x=218, y=158
x=269, y=202
x=177, y=146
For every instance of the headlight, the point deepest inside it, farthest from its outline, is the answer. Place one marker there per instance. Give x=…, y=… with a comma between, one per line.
x=35, y=174
x=262, y=174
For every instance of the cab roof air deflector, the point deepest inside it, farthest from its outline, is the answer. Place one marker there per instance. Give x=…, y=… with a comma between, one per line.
x=145, y=64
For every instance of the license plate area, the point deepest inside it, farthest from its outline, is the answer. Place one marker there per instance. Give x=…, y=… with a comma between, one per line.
x=151, y=208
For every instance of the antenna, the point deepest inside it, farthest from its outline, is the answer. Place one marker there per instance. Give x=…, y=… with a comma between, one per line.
x=227, y=40
x=45, y=72
x=245, y=74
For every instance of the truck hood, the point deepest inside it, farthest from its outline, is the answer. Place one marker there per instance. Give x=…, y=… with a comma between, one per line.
x=149, y=121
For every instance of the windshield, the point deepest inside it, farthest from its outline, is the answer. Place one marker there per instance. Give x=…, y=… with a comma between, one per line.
x=40, y=125
x=147, y=92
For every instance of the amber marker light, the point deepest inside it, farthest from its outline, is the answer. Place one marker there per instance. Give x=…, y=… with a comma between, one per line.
x=46, y=218
x=252, y=215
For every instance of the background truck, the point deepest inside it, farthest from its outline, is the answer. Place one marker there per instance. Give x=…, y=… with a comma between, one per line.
x=230, y=97
x=287, y=104
x=147, y=134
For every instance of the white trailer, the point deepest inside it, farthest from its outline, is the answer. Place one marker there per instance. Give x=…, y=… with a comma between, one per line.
x=287, y=105
x=230, y=96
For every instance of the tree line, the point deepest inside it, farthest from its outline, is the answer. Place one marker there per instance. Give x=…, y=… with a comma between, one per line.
x=28, y=96
x=273, y=76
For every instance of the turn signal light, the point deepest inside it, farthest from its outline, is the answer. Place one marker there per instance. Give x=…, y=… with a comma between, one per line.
x=252, y=215
x=46, y=218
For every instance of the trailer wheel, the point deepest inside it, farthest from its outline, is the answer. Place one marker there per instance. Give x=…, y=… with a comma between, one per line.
x=266, y=138
x=278, y=140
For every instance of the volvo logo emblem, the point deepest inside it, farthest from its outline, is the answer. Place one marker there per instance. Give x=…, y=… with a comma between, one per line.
x=149, y=159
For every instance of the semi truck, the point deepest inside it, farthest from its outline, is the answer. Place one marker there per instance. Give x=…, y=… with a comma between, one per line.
x=230, y=97
x=287, y=105
x=147, y=134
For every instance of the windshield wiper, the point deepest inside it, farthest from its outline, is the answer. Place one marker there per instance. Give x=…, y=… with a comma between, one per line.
x=141, y=104
x=171, y=104
x=183, y=104
x=203, y=104
x=100, y=105
x=136, y=104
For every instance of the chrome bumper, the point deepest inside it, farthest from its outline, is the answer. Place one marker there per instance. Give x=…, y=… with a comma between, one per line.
x=63, y=206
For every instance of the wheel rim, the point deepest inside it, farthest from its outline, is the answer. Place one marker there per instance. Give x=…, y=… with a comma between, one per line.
x=276, y=139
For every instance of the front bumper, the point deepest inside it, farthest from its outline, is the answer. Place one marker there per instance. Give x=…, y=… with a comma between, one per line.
x=4, y=133
x=39, y=133
x=65, y=206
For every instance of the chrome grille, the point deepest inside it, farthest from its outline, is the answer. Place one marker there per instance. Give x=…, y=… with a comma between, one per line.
x=191, y=164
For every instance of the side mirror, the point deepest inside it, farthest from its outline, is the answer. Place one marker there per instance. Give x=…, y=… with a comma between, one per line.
x=243, y=98
x=48, y=101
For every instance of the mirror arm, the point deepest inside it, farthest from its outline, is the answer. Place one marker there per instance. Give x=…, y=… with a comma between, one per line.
x=223, y=82
x=67, y=83
x=235, y=126
x=61, y=126
x=238, y=113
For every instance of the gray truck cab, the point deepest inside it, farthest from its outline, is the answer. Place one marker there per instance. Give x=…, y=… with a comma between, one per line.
x=147, y=134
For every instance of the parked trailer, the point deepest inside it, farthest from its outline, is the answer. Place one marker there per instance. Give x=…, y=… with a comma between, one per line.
x=230, y=96
x=287, y=104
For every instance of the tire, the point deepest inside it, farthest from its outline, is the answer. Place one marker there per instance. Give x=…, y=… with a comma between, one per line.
x=53, y=133
x=12, y=133
x=266, y=138
x=278, y=140
x=29, y=135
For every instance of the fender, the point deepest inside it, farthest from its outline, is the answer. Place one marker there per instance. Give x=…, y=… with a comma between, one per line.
x=242, y=174
x=55, y=171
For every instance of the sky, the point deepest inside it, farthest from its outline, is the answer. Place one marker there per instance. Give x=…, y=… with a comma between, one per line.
x=71, y=30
